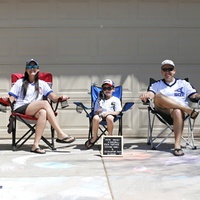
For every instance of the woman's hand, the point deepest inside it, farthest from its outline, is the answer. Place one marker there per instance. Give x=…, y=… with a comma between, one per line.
x=63, y=98
x=5, y=98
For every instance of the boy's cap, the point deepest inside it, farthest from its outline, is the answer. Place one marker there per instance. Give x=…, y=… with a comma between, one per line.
x=109, y=82
x=32, y=60
x=167, y=62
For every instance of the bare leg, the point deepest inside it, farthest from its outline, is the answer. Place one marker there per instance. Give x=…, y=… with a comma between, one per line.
x=40, y=126
x=163, y=101
x=177, y=113
x=36, y=106
x=178, y=124
x=95, y=123
x=110, y=124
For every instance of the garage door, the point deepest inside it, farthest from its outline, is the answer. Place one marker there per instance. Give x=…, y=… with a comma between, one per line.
x=85, y=41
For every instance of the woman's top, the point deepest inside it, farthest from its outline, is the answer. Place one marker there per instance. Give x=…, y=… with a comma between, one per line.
x=16, y=91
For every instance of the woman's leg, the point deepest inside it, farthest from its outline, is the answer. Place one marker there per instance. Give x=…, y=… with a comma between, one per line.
x=40, y=126
x=36, y=106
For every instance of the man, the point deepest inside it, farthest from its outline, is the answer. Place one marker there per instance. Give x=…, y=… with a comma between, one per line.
x=170, y=97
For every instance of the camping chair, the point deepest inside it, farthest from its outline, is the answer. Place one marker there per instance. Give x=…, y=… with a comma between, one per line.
x=95, y=92
x=29, y=121
x=156, y=140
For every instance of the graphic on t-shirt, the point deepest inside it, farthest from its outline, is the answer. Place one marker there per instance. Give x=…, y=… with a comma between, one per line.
x=179, y=92
x=113, y=106
x=40, y=90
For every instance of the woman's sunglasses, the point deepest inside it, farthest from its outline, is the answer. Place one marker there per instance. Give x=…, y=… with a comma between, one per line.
x=107, y=88
x=32, y=67
x=167, y=69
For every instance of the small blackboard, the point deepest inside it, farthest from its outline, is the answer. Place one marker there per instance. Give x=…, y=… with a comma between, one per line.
x=112, y=146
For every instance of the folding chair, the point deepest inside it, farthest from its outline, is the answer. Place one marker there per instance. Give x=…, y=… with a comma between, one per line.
x=95, y=94
x=29, y=121
x=156, y=140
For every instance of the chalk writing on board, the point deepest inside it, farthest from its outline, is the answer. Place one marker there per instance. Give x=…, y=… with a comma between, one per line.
x=112, y=145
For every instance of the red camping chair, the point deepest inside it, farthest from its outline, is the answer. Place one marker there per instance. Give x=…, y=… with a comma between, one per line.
x=29, y=121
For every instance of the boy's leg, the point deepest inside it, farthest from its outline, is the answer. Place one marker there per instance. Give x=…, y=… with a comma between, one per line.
x=95, y=123
x=110, y=124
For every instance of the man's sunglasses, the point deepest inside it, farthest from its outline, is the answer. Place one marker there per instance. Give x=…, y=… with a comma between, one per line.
x=30, y=67
x=107, y=88
x=167, y=69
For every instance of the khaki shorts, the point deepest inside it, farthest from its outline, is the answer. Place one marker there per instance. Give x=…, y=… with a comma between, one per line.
x=165, y=114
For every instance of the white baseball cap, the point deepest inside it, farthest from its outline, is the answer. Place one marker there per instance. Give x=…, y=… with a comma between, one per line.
x=109, y=82
x=167, y=62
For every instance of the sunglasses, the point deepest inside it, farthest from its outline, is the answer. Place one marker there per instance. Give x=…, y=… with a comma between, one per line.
x=30, y=67
x=167, y=69
x=107, y=88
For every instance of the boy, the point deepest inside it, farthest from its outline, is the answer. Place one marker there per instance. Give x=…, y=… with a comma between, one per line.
x=107, y=107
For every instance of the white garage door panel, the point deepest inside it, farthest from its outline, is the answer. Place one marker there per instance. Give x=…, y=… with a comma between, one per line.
x=105, y=46
x=85, y=41
x=91, y=13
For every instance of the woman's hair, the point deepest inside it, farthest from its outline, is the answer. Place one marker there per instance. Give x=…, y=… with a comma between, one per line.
x=26, y=83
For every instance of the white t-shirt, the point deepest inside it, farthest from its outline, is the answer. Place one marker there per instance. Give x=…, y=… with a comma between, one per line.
x=108, y=105
x=179, y=90
x=16, y=91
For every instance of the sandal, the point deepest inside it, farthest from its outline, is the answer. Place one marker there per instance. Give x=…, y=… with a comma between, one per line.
x=178, y=152
x=68, y=139
x=38, y=150
x=89, y=144
x=194, y=114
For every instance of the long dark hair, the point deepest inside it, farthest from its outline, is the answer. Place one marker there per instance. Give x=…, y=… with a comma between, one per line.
x=26, y=82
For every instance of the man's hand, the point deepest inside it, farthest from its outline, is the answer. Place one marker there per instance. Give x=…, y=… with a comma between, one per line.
x=148, y=95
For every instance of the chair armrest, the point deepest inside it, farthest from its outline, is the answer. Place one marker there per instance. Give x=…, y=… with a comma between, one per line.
x=4, y=104
x=150, y=104
x=80, y=107
x=194, y=100
x=127, y=106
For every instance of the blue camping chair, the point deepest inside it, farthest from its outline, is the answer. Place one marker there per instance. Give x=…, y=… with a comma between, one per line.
x=95, y=95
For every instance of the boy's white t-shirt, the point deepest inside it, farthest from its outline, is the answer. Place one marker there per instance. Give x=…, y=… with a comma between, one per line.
x=108, y=105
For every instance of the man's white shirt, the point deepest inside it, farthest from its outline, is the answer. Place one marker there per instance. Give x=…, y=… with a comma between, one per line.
x=179, y=90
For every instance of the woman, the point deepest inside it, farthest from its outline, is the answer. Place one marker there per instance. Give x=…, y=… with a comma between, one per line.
x=27, y=94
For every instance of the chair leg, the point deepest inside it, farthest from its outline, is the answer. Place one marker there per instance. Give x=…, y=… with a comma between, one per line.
x=90, y=129
x=48, y=143
x=52, y=138
x=190, y=136
x=14, y=134
x=17, y=144
x=120, y=127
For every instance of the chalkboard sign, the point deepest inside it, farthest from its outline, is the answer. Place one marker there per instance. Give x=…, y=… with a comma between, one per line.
x=112, y=146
